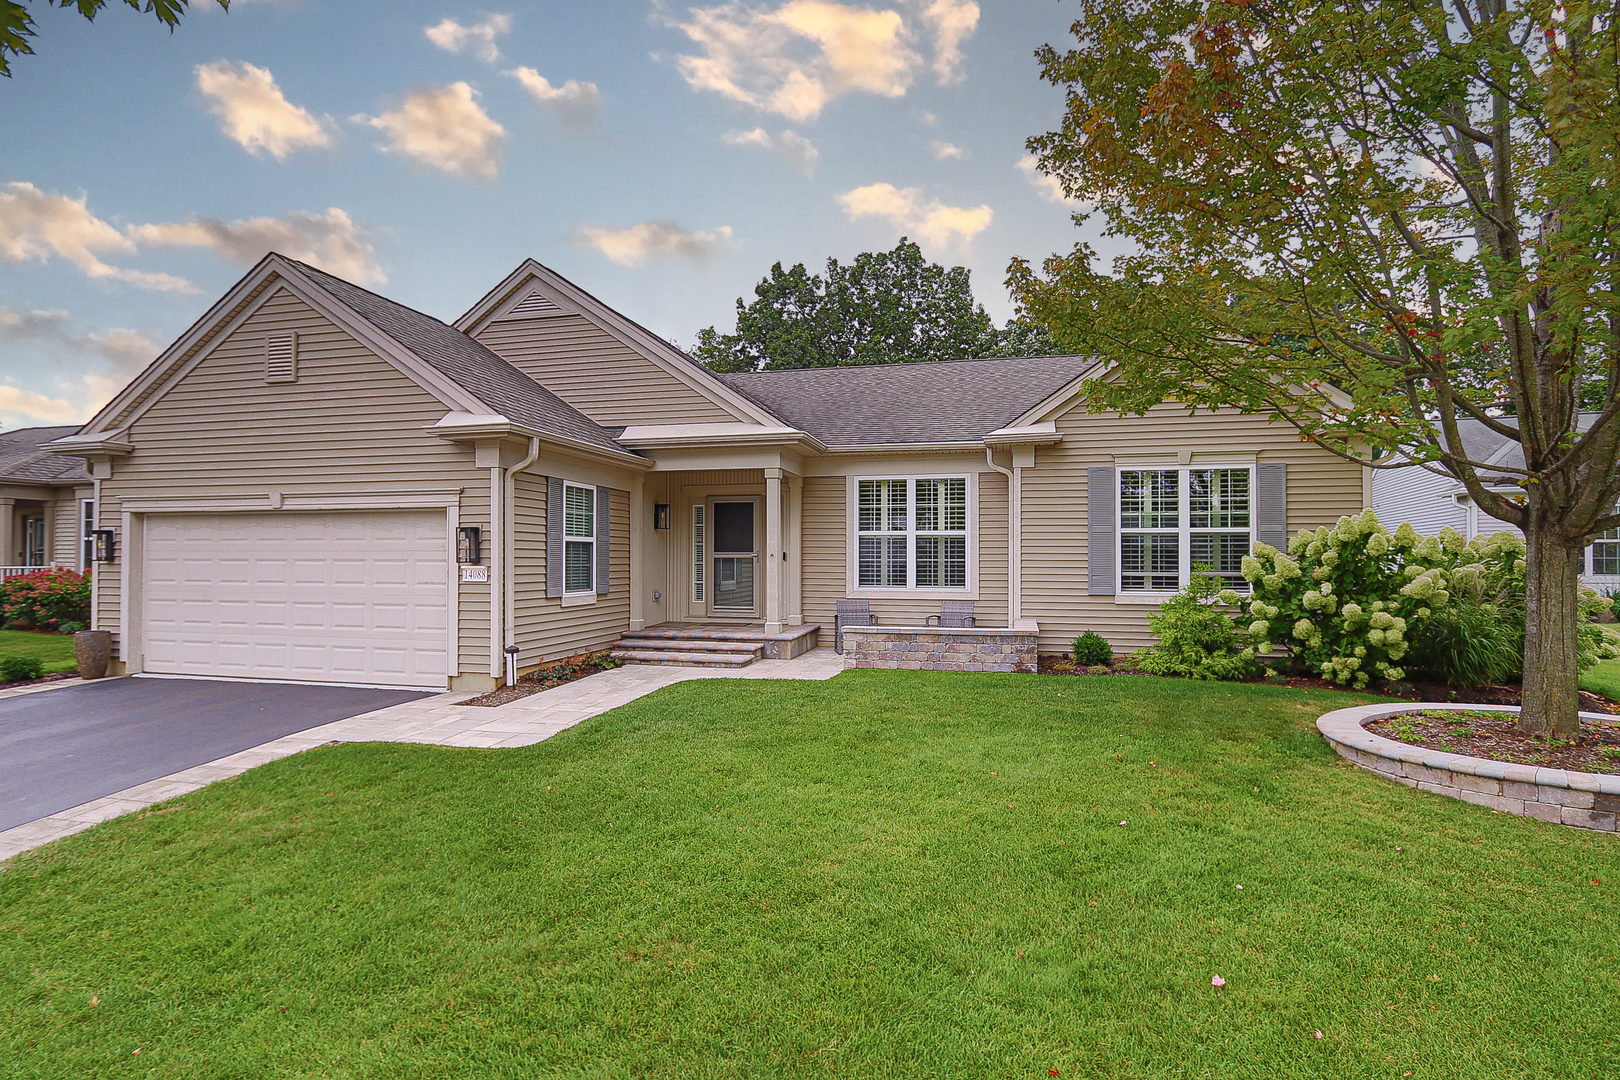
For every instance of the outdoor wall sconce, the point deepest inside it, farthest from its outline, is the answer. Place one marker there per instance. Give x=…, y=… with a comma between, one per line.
x=660, y=515
x=469, y=545
x=106, y=546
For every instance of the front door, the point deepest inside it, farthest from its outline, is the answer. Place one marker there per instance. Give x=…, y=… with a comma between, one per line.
x=34, y=541
x=735, y=557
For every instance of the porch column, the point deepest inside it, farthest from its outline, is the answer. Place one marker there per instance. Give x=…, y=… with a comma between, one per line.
x=795, y=551
x=773, y=551
x=8, y=515
x=638, y=550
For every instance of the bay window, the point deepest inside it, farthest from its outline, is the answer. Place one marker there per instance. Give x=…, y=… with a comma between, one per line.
x=1172, y=520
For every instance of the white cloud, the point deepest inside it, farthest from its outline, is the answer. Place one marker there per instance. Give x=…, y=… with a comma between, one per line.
x=331, y=241
x=795, y=59
x=477, y=38
x=632, y=246
x=116, y=354
x=443, y=127
x=253, y=111
x=36, y=224
x=1050, y=188
x=933, y=222
x=945, y=151
x=797, y=149
x=577, y=104
x=953, y=22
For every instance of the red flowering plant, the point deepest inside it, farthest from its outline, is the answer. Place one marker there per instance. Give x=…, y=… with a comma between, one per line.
x=46, y=600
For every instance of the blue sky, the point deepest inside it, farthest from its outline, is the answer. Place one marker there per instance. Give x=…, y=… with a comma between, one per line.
x=660, y=154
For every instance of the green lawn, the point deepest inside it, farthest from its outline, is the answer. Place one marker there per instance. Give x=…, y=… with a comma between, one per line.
x=54, y=650
x=1603, y=679
x=894, y=874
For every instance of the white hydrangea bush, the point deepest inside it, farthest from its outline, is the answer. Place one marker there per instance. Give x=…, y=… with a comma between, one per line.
x=1346, y=600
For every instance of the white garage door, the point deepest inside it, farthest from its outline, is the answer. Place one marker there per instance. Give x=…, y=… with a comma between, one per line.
x=353, y=597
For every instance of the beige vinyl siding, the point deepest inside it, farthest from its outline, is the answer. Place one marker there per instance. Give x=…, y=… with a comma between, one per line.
x=598, y=374
x=351, y=424
x=826, y=552
x=1321, y=489
x=63, y=524
x=545, y=630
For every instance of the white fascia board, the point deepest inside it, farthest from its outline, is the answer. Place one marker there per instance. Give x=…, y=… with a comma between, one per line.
x=100, y=444
x=576, y=301
x=1069, y=396
x=1042, y=434
x=907, y=448
x=197, y=332
x=289, y=278
x=723, y=435
x=473, y=427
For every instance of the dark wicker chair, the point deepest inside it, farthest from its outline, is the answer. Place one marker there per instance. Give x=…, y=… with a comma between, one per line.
x=953, y=613
x=851, y=613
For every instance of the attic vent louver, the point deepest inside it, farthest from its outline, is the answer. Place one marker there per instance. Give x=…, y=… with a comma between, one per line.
x=281, y=358
x=533, y=306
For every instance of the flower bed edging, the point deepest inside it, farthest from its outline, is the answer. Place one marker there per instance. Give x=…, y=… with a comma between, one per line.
x=1580, y=799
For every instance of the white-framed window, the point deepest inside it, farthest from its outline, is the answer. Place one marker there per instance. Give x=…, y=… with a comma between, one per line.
x=87, y=528
x=913, y=533
x=1173, y=519
x=579, y=539
x=1606, y=554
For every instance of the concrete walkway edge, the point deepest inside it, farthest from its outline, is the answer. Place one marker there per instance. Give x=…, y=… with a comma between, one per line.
x=440, y=720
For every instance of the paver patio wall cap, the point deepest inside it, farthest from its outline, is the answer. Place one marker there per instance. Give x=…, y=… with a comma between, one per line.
x=946, y=631
x=1344, y=729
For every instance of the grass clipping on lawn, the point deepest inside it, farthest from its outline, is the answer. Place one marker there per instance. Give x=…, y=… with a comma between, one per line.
x=892, y=874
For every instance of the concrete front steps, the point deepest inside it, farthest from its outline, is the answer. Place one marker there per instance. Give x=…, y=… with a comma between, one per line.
x=711, y=646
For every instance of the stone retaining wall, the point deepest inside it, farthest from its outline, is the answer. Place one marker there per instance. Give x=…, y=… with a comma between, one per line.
x=935, y=648
x=1583, y=800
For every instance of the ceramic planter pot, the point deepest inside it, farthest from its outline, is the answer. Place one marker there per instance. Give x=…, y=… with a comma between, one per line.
x=93, y=650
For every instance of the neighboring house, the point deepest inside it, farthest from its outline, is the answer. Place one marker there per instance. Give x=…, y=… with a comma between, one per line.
x=45, y=504
x=292, y=490
x=1432, y=502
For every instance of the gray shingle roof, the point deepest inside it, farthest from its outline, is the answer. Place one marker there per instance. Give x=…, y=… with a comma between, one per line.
x=22, y=460
x=468, y=363
x=894, y=404
x=1482, y=444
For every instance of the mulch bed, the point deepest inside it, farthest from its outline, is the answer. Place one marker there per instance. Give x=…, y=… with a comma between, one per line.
x=1493, y=735
x=1407, y=691
x=568, y=671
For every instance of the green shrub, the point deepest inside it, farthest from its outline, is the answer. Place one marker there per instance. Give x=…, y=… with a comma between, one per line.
x=1198, y=638
x=1091, y=649
x=1468, y=643
x=45, y=599
x=21, y=668
x=1350, y=601
x=70, y=627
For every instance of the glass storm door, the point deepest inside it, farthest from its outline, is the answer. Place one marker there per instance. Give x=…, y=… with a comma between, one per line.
x=735, y=548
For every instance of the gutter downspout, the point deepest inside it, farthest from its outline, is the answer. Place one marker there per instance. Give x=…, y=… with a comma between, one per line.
x=1015, y=546
x=509, y=560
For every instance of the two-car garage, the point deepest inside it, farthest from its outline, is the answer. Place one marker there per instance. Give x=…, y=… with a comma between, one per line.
x=358, y=597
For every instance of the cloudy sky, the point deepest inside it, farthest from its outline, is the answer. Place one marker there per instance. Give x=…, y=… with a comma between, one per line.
x=660, y=154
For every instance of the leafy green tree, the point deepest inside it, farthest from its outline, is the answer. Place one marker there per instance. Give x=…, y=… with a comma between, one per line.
x=883, y=308
x=1373, y=218
x=17, y=25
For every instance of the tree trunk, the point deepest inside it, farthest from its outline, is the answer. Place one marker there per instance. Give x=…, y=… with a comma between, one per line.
x=1552, y=582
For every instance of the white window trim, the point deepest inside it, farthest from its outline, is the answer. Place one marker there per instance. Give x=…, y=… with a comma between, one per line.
x=1184, y=495
x=87, y=542
x=576, y=597
x=893, y=592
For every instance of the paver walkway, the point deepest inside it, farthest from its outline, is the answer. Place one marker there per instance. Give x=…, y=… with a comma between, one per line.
x=439, y=720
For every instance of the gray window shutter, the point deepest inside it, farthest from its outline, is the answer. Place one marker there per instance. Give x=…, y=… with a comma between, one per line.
x=1271, y=504
x=604, y=544
x=554, y=536
x=1102, y=497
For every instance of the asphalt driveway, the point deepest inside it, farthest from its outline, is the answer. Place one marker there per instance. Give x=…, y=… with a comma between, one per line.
x=64, y=747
